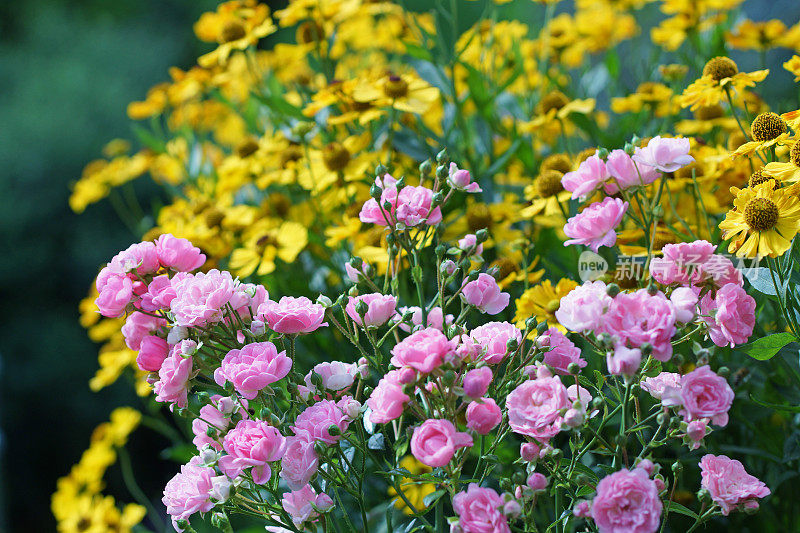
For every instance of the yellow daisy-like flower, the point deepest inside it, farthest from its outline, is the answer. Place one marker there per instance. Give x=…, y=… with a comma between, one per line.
x=751, y=35
x=649, y=95
x=719, y=73
x=786, y=172
x=767, y=129
x=404, y=92
x=237, y=29
x=414, y=491
x=556, y=107
x=793, y=66
x=542, y=301
x=763, y=221
x=266, y=241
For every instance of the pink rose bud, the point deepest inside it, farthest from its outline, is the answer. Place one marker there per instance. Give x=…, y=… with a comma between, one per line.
x=476, y=382
x=512, y=508
x=469, y=244
x=258, y=328
x=696, y=430
x=379, y=309
x=581, y=509
x=518, y=492
x=363, y=367
x=624, y=361
x=537, y=482
x=529, y=451
x=351, y=408
x=448, y=267
x=574, y=417
x=659, y=484
x=485, y=294
x=152, y=352
x=435, y=441
x=646, y=465
x=461, y=179
x=406, y=375
x=483, y=416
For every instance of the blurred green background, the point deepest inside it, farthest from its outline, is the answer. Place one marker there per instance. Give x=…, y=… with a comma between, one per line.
x=67, y=71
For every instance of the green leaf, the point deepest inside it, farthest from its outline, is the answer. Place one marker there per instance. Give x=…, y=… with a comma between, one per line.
x=761, y=280
x=766, y=347
x=680, y=509
x=432, y=498
x=416, y=51
x=776, y=406
x=377, y=442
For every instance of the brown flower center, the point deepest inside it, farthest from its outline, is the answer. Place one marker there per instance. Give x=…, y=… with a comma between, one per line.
x=761, y=214
x=757, y=178
x=505, y=267
x=767, y=126
x=395, y=87
x=559, y=162
x=309, y=32
x=233, y=30
x=549, y=183
x=246, y=148
x=478, y=217
x=794, y=154
x=335, y=156
x=720, y=68
x=553, y=100
x=709, y=112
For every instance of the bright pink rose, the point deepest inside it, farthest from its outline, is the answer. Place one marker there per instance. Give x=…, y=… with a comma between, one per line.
x=684, y=301
x=189, y=491
x=590, y=175
x=300, y=462
x=534, y=407
x=178, y=254
x=695, y=431
x=494, y=337
x=140, y=257
x=536, y=482
x=201, y=298
x=115, y=295
x=387, y=399
x=434, y=318
x=483, y=415
x=252, y=368
x=152, y=352
x=372, y=212
x=595, y=226
x=461, y=180
x=623, y=361
x=531, y=451
x=704, y=394
x=639, y=317
x=667, y=155
x=159, y=295
x=562, y=351
x=356, y=275
x=721, y=270
x=480, y=510
x=173, y=376
x=303, y=504
x=656, y=386
x=681, y=262
x=435, y=441
x=627, y=501
x=335, y=376
x=624, y=173
x=138, y=326
x=293, y=315
x=730, y=315
x=216, y=415
x=469, y=244
x=252, y=443
x=380, y=308
x=316, y=420
x=582, y=509
x=414, y=207
x=729, y=484
x=583, y=308
x=485, y=294
x=423, y=350
x=476, y=381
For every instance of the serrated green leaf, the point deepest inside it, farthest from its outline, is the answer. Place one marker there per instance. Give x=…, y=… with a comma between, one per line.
x=766, y=347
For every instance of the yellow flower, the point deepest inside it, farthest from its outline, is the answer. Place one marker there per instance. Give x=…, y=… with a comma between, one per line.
x=413, y=490
x=763, y=221
x=542, y=301
x=238, y=29
x=719, y=73
x=99, y=514
x=342, y=95
x=404, y=92
x=762, y=35
x=767, y=130
x=554, y=108
x=786, y=172
x=651, y=95
x=266, y=241
x=793, y=66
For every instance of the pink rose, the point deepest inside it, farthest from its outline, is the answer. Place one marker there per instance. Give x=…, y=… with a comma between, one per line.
x=173, y=383
x=423, y=350
x=152, y=352
x=562, y=351
x=583, y=308
x=536, y=482
x=317, y=419
x=414, y=207
x=356, y=275
x=493, y=338
x=704, y=394
x=435, y=441
x=303, y=505
x=624, y=173
x=684, y=301
x=138, y=326
x=656, y=386
x=531, y=451
x=216, y=415
x=434, y=318
x=461, y=180
x=534, y=407
x=721, y=270
x=300, y=462
x=380, y=308
x=479, y=510
x=178, y=254
x=483, y=415
x=469, y=245
x=667, y=155
x=595, y=226
x=730, y=316
x=639, y=317
x=252, y=443
x=627, y=501
x=387, y=399
x=485, y=294
x=681, y=262
x=623, y=361
x=189, y=491
x=159, y=295
x=373, y=212
x=252, y=368
x=140, y=257
x=335, y=376
x=292, y=315
x=590, y=175
x=476, y=381
x=729, y=484
x=695, y=431
x=115, y=295
x=201, y=298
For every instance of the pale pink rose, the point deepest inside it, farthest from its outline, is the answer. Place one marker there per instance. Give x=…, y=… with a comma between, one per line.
x=480, y=510
x=531, y=451
x=535, y=406
x=216, y=415
x=667, y=155
x=173, y=376
x=721, y=270
x=627, y=501
x=576, y=393
x=138, y=326
x=469, y=244
x=583, y=308
x=596, y=225
x=624, y=173
x=435, y=441
x=656, y=386
x=201, y=298
x=335, y=375
x=414, y=207
x=152, y=352
x=300, y=462
x=623, y=361
x=590, y=175
x=423, y=350
x=729, y=484
x=114, y=297
x=252, y=368
x=704, y=394
x=485, y=294
x=380, y=308
x=582, y=509
x=684, y=301
x=461, y=180
x=316, y=420
x=178, y=254
x=252, y=443
x=160, y=294
x=250, y=297
x=189, y=491
x=681, y=262
x=387, y=399
x=562, y=351
x=483, y=415
x=536, y=482
x=639, y=317
x=696, y=430
x=434, y=318
x=730, y=316
x=355, y=275
x=292, y=315
x=476, y=381
x=140, y=258
x=303, y=504
x=494, y=337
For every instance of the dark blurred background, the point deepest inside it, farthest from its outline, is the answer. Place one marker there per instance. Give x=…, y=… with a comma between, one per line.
x=67, y=71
